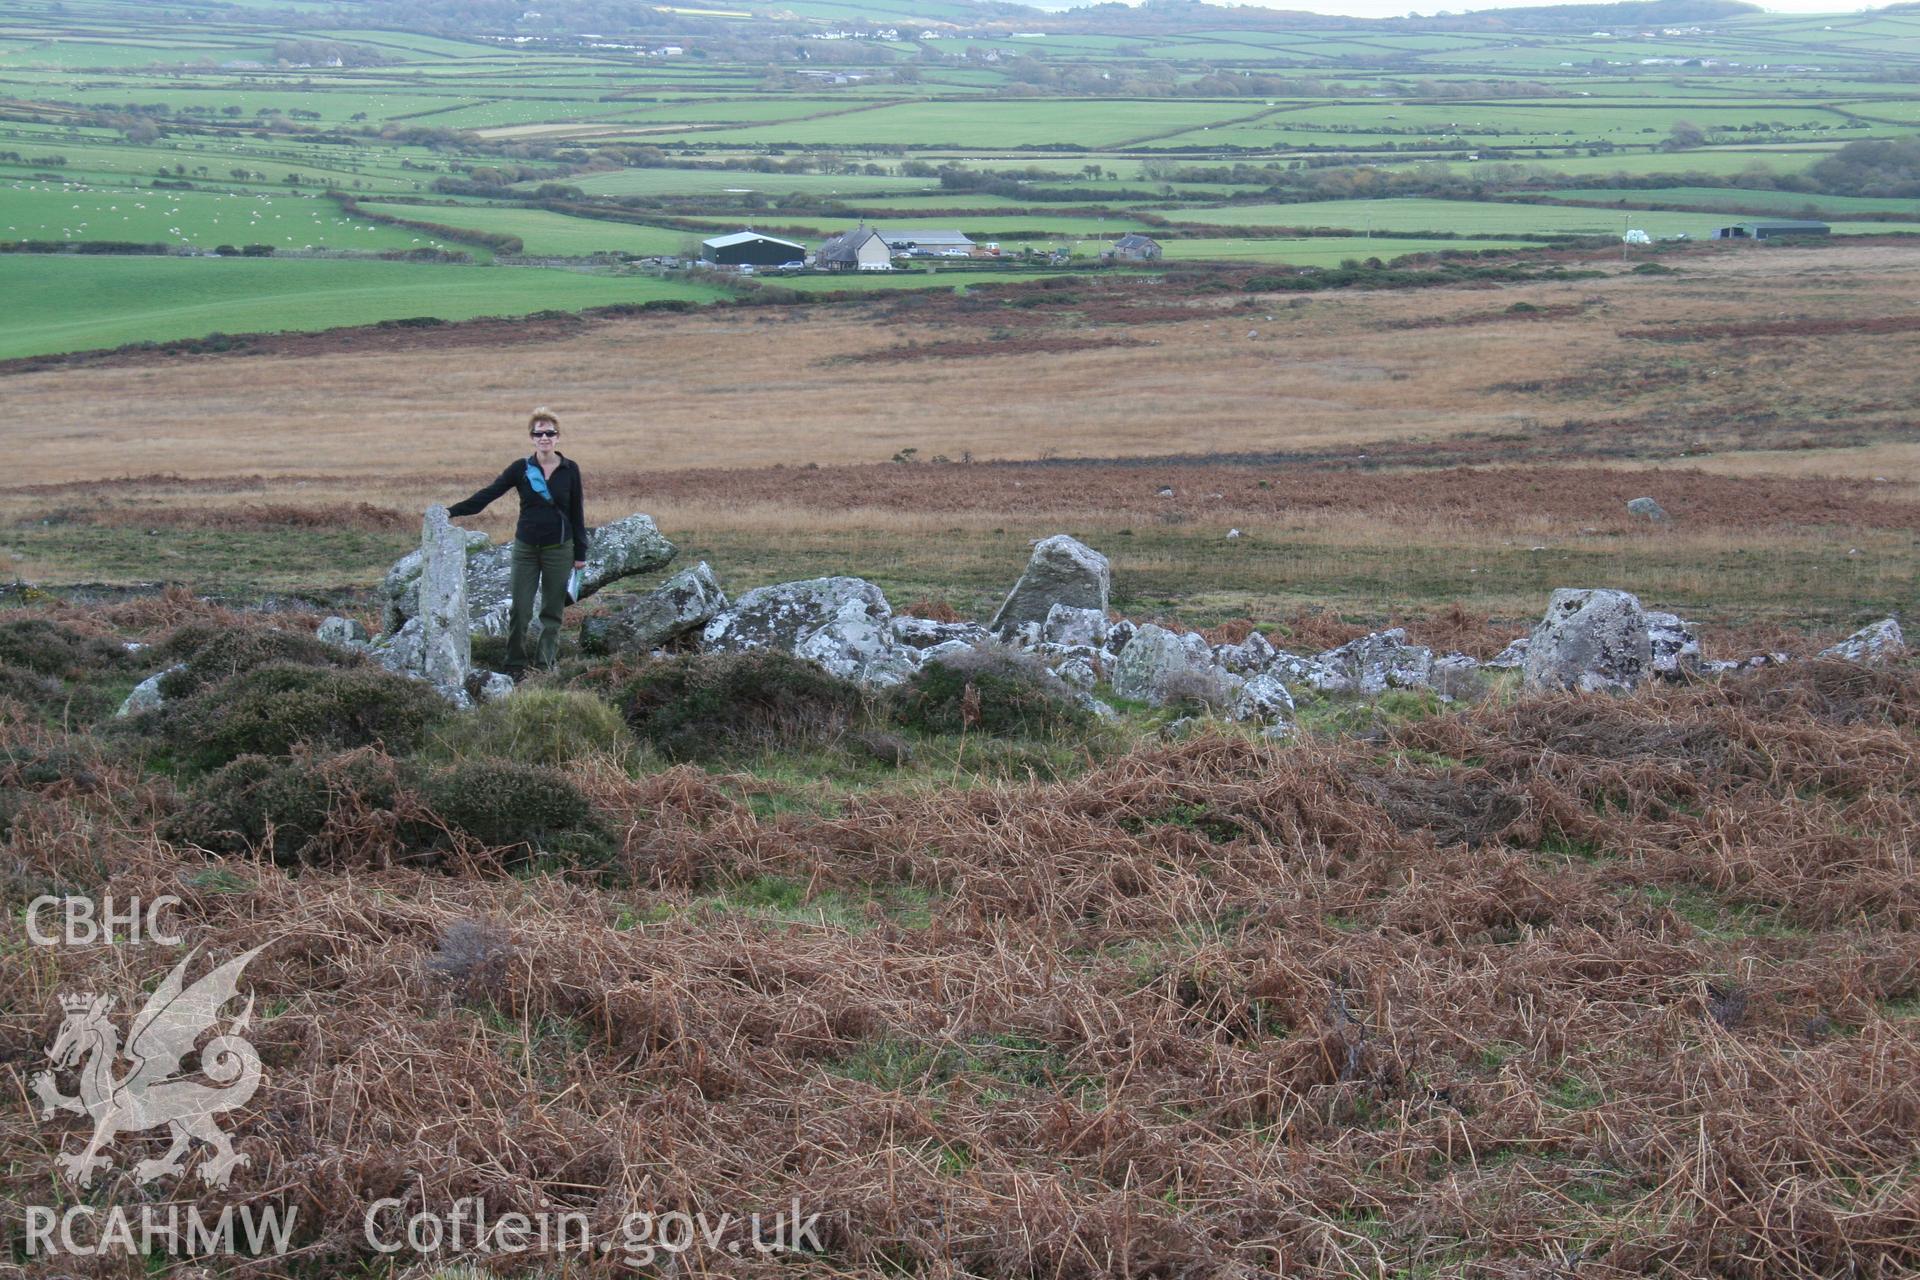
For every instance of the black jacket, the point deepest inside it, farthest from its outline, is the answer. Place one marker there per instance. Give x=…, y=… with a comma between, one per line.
x=542, y=523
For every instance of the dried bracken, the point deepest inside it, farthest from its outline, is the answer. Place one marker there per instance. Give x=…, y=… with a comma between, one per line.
x=1566, y=986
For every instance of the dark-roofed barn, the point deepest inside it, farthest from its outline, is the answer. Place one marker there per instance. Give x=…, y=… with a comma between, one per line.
x=750, y=249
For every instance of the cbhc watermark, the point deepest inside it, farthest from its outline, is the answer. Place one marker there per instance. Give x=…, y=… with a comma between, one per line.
x=80, y=922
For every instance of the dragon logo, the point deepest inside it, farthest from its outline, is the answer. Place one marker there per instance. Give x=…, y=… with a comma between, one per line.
x=152, y=1093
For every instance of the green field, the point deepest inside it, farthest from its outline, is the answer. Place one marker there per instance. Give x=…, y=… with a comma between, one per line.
x=76, y=304
x=1061, y=135
x=1484, y=218
x=60, y=211
x=545, y=233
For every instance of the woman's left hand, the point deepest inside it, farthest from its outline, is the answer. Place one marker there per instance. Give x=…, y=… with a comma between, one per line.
x=579, y=564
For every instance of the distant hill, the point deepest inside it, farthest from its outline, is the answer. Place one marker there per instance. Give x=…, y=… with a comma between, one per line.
x=1584, y=17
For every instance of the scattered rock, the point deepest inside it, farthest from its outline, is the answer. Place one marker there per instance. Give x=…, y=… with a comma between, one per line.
x=1880, y=642
x=146, y=695
x=1264, y=699
x=343, y=632
x=489, y=686
x=1148, y=666
x=924, y=633
x=1511, y=658
x=842, y=624
x=1380, y=661
x=682, y=604
x=1590, y=641
x=1456, y=677
x=1250, y=657
x=1118, y=634
x=1061, y=571
x=1675, y=648
x=1232, y=534
x=1068, y=625
x=1648, y=509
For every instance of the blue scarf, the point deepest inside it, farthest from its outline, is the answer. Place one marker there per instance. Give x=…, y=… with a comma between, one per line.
x=538, y=479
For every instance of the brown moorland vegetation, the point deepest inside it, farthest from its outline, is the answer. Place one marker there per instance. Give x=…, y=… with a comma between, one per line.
x=1611, y=986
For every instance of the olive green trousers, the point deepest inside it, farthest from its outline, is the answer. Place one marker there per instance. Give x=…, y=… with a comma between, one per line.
x=544, y=569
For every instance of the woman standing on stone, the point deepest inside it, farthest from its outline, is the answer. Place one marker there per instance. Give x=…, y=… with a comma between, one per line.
x=549, y=541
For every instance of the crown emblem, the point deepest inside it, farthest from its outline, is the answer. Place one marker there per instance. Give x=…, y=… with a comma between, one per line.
x=77, y=1002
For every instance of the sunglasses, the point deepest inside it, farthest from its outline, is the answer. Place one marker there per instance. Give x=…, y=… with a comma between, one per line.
x=545, y=435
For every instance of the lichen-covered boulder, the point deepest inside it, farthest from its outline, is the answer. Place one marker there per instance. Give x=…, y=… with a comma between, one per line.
x=1250, y=657
x=925, y=633
x=1118, y=634
x=1263, y=699
x=1153, y=665
x=1062, y=570
x=1069, y=625
x=1880, y=642
x=843, y=624
x=1648, y=509
x=343, y=633
x=1591, y=640
x=677, y=607
x=146, y=695
x=1379, y=661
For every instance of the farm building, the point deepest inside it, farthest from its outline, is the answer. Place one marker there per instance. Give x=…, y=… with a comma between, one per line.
x=1132, y=247
x=1770, y=229
x=929, y=240
x=860, y=249
x=750, y=248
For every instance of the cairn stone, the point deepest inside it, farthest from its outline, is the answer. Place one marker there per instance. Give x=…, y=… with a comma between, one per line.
x=1648, y=509
x=1880, y=642
x=677, y=607
x=1380, y=661
x=1062, y=570
x=1149, y=667
x=1675, y=647
x=842, y=624
x=146, y=695
x=1590, y=641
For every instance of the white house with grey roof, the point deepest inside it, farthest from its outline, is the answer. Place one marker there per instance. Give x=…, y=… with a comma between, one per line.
x=925, y=240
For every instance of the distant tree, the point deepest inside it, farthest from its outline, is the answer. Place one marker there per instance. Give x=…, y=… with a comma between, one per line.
x=1684, y=135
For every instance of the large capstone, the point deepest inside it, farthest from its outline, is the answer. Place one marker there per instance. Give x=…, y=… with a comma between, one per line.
x=446, y=643
x=679, y=606
x=1880, y=642
x=1062, y=570
x=843, y=624
x=623, y=549
x=1590, y=641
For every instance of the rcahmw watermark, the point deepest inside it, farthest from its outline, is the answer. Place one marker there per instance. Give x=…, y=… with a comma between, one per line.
x=177, y=1230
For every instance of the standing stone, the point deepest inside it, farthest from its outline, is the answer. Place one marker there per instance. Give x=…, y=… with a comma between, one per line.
x=1880, y=642
x=446, y=642
x=1648, y=509
x=683, y=603
x=1590, y=641
x=1062, y=570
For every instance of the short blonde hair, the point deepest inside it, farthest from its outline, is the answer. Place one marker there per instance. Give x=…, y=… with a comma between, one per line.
x=540, y=415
